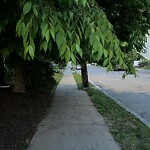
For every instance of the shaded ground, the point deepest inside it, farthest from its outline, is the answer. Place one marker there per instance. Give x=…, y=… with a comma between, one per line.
x=19, y=117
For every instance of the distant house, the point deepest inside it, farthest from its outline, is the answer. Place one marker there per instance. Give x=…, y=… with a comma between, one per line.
x=147, y=54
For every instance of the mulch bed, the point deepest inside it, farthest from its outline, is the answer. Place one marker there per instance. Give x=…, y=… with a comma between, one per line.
x=19, y=116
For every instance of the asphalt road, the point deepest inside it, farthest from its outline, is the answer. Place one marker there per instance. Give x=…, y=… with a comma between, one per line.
x=132, y=93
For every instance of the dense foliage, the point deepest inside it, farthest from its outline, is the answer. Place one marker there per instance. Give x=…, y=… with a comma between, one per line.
x=131, y=20
x=74, y=30
x=67, y=23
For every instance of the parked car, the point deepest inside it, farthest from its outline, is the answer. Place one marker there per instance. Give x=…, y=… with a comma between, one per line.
x=78, y=67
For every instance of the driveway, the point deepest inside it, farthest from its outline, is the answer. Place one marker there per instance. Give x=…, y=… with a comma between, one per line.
x=132, y=93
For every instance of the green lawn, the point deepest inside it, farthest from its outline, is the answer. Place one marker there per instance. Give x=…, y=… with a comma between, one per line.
x=147, y=67
x=128, y=131
x=57, y=77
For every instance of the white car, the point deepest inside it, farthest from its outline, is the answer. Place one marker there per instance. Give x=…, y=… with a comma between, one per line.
x=78, y=67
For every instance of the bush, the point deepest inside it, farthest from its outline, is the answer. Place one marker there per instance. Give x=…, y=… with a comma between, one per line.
x=40, y=75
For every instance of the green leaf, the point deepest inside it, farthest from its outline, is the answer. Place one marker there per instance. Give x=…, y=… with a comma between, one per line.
x=41, y=45
x=31, y=51
x=47, y=35
x=100, y=35
x=92, y=38
x=80, y=33
x=70, y=15
x=105, y=62
x=96, y=44
x=35, y=10
x=102, y=40
x=69, y=34
x=26, y=49
x=118, y=53
x=110, y=54
x=57, y=28
x=98, y=32
x=44, y=17
x=78, y=49
x=62, y=48
x=73, y=47
x=105, y=53
x=52, y=34
x=32, y=43
x=45, y=46
x=25, y=38
x=100, y=52
x=73, y=58
x=18, y=25
x=23, y=29
x=125, y=66
x=87, y=32
x=77, y=39
x=65, y=16
x=67, y=55
x=120, y=61
x=110, y=26
x=84, y=2
x=27, y=7
x=104, y=27
x=93, y=51
x=109, y=67
x=77, y=1
x=19, y=31
x=59, y=38
x=44, y=30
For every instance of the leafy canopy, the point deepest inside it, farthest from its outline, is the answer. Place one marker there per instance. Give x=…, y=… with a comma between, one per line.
x=131, y=20
x=67, y=23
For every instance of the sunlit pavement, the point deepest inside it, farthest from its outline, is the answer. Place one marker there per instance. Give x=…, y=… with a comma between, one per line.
x=72, y=122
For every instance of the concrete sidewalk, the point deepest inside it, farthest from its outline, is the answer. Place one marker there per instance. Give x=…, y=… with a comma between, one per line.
x=72, y=122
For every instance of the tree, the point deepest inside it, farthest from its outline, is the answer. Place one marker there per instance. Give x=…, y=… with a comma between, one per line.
x=131, y=20
x=10, y=44
x=70, y=24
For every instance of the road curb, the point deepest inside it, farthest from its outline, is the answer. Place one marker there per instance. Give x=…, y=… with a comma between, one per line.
x=122, y=105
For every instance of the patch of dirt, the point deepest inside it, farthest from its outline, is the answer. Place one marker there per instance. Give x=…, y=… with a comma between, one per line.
x=19, y=116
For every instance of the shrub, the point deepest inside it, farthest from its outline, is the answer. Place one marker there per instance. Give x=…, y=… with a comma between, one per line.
x=40, y=75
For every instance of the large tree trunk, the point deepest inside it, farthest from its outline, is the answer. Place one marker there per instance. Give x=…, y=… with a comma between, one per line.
x=19, y=81
x=2, y=77
x=84, y=74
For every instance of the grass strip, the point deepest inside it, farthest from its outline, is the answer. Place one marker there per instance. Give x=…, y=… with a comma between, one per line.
x=127, y=130
x=57, y=77
x=147, y=67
